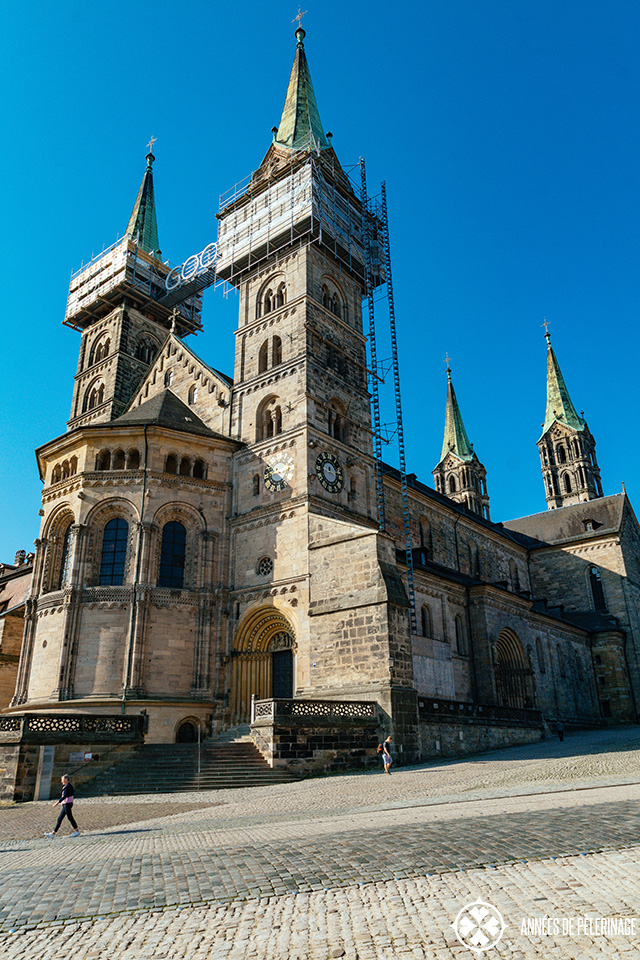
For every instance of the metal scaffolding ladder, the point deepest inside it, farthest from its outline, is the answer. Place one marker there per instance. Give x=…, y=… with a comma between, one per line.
x=371, y=215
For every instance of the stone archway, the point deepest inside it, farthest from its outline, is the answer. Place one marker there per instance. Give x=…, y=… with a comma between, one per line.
x=263, y=661
x=515, y=685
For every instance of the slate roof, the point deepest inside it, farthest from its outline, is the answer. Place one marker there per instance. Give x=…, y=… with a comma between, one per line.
x=568, y=523
x=165, y=410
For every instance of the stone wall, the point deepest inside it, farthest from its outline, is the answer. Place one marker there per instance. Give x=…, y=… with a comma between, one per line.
x=317, y=747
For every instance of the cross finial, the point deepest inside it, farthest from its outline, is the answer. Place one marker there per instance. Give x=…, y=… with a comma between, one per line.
x=545, y=324
x=447, y=360
x=175, y=316
x=301, y=14
x=151, y=143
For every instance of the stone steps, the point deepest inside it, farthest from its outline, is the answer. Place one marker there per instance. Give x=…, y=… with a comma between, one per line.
x=168, y=768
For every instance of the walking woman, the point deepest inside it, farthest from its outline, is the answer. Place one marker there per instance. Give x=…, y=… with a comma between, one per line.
x=66, y=802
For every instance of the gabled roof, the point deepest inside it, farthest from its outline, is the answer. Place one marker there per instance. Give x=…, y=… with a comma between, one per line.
x=559, y=405
x=165, y=410
x=569, y=523
x=300, y=125
x=142, y=224
x=455, y=440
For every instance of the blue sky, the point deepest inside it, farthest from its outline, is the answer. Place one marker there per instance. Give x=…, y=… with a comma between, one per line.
x=507, y=132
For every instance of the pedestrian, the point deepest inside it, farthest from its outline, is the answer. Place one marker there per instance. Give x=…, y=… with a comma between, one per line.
x=66, y=802
x=386, y=755
x=560, y=730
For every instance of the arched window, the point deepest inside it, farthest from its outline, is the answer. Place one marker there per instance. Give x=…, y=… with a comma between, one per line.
x=276, y=352
x=103, y=460
x=595, y=579
x=171, y=464
x=566, y=481
x=65, y=470
x=336, y=421
x=576, y=447
x=174, y=540
x=263, y=357
x=256, y=484
x=56, y=474
x=461, y=645
x=114, y=552
x=540, y=654
x=561, y=453
x=426, y=620
x=425, y=538
x=133, y=460
x=452, y=484
x=73, y=465
x=146, y=350
x=118, y=460
x=94, y=396
x=168, y=378
x=281, y=295
x=100, y=350
x=65, y=557
x=193, y=394
x=269, y=420
x=185, y=467
x=199, y=470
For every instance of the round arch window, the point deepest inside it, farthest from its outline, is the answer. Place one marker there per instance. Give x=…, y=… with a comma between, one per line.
x=264, y=567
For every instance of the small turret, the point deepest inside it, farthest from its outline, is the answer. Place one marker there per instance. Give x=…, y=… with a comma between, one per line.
x=567, y=448
x=143, y=226
x=459, y=474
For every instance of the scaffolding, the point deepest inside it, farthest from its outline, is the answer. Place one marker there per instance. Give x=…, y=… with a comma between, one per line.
x=378, y=249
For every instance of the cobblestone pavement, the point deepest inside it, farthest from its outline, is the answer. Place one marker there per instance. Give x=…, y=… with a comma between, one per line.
x=370, y=865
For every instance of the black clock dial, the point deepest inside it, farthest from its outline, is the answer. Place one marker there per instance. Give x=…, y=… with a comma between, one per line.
x=278, y=472
x=329, y=472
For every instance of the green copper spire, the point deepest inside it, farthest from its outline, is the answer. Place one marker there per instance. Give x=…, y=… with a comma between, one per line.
x=559, y=405
x=456, y=440
x=142, y=222
x=300, y=126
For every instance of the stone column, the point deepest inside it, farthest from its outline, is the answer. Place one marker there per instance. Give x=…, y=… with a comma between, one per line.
x=139, y=614
x=71, y=618
x=201, y=680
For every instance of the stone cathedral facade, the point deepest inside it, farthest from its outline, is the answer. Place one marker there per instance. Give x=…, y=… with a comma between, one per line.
x=209, y=539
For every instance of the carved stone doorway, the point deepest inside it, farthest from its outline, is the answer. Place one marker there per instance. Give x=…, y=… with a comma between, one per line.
x=263, y=661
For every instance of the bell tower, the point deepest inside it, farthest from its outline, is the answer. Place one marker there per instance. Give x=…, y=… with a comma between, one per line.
x=113, y=302
x=459, y=474
x=291, y=240
x=567, y=448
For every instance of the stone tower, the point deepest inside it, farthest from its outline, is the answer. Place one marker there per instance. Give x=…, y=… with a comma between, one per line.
x=459, y=474
x=113, y=301
x=567, y=448
x=305, y=509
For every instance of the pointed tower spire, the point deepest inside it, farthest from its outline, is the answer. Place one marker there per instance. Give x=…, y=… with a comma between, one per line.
x=459, y=473
x=142, y=224
x=559, y=405
x=455, y=435
x=300, y=126
x=567, y=448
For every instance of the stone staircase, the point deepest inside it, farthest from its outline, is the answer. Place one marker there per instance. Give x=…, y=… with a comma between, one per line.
x=227, y=760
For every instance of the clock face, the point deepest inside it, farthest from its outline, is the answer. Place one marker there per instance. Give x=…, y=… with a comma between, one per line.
x=278, y=472
x=329, y=472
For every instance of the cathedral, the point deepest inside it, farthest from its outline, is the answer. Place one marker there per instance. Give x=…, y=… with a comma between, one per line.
x=212, y=542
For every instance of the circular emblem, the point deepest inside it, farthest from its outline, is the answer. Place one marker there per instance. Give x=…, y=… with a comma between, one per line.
x=278, y=471
x=329, y=472
x=479, y=926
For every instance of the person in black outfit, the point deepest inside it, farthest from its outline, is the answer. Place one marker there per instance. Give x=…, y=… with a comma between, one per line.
x=66, y=802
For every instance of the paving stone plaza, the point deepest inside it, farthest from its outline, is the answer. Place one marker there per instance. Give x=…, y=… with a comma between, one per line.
x=362, y=866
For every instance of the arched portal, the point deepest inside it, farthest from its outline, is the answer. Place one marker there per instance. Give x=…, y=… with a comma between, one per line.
x=263, y=660
x=515, y=686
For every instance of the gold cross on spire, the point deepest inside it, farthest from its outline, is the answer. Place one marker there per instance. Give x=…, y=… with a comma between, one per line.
x=545, y=324
x=301, y=14
x=151, y=143
x=447, y=360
